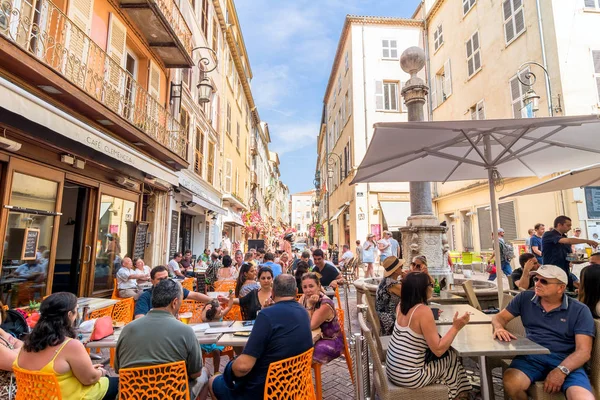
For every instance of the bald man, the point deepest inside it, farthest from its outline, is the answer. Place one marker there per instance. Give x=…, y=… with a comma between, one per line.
x=127, y=279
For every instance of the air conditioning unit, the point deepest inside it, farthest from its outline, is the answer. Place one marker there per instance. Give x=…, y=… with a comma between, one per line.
x=9, y=145
x=128, y=183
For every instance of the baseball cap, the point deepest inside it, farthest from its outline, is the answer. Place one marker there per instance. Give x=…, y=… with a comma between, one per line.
x=577, y=229
x=551, y=271
x=500, y=230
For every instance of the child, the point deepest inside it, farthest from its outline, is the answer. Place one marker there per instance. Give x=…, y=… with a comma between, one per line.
x=213, y=312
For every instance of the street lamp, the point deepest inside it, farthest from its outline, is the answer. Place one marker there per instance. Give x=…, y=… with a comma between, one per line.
x=531, y=97
x=205, y=88
x=332, y=158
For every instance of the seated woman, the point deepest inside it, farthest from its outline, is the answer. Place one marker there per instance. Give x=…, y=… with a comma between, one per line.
x=388, y=294
x=302, y=267
x=415, y=334
x=9, y=349
x=227, y=272
x=50, y=348
x=254, y=301
x=246, y=281
x=419, y=264
x=321, y=311
x=142, y=268
x=588, y=288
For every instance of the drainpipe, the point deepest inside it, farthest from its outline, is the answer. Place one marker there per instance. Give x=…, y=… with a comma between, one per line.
x=544, y=61
x=364, y=73
x=427, y=64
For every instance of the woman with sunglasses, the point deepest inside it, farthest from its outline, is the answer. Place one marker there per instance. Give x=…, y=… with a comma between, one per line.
x=419, y=264
x=415, y=334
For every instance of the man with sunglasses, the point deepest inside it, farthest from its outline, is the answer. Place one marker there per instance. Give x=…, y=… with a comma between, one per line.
x=553, y=320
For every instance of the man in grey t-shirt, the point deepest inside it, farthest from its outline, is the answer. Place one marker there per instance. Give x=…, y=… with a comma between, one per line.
x=159, y=338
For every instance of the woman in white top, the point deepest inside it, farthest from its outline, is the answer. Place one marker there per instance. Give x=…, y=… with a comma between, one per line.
x=368, y=254
x=227, y=272
x=142, y=268
x=415, y=335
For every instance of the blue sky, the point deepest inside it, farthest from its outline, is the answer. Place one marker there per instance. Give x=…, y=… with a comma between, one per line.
x=291, y=45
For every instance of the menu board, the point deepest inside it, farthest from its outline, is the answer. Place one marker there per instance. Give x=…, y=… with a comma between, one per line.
x=139, y=242
x=30, y=244
x=174, y=231
x=592, y=202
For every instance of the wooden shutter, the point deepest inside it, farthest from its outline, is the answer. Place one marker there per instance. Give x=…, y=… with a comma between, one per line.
x=508, y=221
x=467, y=232
x=199, y=152
x=519, y=16
x=470, y=66
x=477, y=53
x=117, y=37
x=515, y=94
x=379, y=95
x=80, y=12
x=509, y=27
x=349, y=106
x=228, y=170
x=596, y=60
x=210, y=173
x=590, y=3
x=433, y=94
x=480, y=110
x=484, y=222
x=447, y=79
x=154, y=81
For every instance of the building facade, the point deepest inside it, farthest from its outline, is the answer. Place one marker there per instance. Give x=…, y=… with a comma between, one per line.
x=302, y=212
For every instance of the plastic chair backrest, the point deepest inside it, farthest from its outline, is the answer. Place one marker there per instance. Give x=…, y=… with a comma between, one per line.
x=298, y=296
x=188, y=283
x=477, y=258
x=101, y=312
x=123, y=310
x=36, y=385
x=337, y=296
x=471, y=296
x=224, y=286
x=291, y=378
x=115, y=292
x=377, y=365
x=156, y=382
x=235, y=314
x=467, y=257
x=195, y=308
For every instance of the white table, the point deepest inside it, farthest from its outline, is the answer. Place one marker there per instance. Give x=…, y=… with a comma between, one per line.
x=476, y=340
x=447, y=314
x=95, y=303
x=446, y=297
x=214, y=295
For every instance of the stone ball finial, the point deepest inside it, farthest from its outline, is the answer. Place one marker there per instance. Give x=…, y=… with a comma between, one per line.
x=412, y=60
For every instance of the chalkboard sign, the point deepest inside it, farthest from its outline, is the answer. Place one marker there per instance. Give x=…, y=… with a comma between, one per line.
x=174, y=231
x=30, y=244
x=256, y=244
x=139, y=243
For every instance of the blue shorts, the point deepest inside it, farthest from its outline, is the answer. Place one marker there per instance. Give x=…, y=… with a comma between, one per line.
x=538, y=366
x=222, y=392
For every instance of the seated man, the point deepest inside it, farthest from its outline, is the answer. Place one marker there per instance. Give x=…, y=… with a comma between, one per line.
x=160, y=338
x=270, y=262
x=305, y=256
x=160, y=273
x=347, y=255
x=280, y=331
x=127, y=277
x=330, y=275
x=175, y=266
x=562, y=325
x=520, y=276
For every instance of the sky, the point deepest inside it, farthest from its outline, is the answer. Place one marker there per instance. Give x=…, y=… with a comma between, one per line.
x=291, y=45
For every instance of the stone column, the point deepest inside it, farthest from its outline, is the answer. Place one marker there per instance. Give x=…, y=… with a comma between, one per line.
x=423, y=234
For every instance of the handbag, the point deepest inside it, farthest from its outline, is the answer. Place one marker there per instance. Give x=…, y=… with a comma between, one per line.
x=102, y=328
x=491, y=269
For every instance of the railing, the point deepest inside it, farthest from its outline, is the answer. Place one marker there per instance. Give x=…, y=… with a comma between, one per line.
x=44, y=31
x=172, y=13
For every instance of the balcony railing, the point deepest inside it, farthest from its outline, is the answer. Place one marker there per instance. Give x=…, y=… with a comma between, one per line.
x=177, y=22
x=44, y=31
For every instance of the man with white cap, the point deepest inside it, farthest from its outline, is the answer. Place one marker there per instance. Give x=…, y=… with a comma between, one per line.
x=553, y=320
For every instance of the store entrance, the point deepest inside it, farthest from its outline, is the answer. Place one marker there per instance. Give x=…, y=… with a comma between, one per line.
x=73, y=250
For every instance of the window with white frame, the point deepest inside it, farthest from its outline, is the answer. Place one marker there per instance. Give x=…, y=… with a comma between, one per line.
x=441, y=87
x=473, y=55
x=344, y=109
x=596, y=60
x=517, y=90
x=438, y=37
x=339, y=88
x=348, y=104
x=346, y=62
x=477, y=110
x=592, y=4
x=467, y=5
x=389, y=49
x=514, y=19
x=386, y=96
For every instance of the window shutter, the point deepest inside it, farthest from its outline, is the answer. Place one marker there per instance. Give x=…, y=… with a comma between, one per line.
x=477, y=55
x=378, y=95
x=440, y=36
x=154, y=81
x=228, y=168
x=470, y=66
x=508, y=221
x=596, y=59
x=467, y=233
x=116, y=51
x=466, y=6
x=509, y=29
x=484, y=222
x=519, y=21
x=80, y=12
x=434, y=99
x=447, y=79
x=349, y=106
x=590, y=3
x=480, y=110
x=435, y=40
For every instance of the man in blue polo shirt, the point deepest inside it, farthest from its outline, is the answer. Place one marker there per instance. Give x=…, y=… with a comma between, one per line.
x=556, y=245
x=270, y=262
x=553, y=320
x=280, y=331
x=144, y=302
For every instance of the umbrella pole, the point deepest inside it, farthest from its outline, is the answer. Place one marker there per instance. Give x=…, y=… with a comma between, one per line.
x=494, y=214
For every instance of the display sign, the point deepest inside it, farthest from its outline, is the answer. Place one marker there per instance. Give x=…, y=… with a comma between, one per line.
x=139, y=242
x=174, y=231
x=256, y=244
x=30, y=244
x=592, y=201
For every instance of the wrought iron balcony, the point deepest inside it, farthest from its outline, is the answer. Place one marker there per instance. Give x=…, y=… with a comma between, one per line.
x=45, y=32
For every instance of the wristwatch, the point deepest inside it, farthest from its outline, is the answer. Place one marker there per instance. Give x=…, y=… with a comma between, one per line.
x=564, y=370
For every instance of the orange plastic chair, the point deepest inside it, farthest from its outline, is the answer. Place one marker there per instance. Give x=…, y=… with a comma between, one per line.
x=195, y=308
x=188, y=283
x=122, y=312
x=224, y=286
x=235, y=314
x=156, y=382
x=36, y=385
x=101, y=312
x=290, y=379
x=115, y=292
x=5, y=307
x=298, y=296
x=337, y=296
x=317, y=366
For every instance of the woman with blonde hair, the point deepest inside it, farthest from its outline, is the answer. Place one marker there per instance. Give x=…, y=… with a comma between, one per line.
x=368, y=254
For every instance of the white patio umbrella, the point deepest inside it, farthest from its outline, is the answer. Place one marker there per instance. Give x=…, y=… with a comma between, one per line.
x=481, y=149
x=588, y=176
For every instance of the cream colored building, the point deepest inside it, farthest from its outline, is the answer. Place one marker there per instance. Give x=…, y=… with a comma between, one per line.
x=474, y=50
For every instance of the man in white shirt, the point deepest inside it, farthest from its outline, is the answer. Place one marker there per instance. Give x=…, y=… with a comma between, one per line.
x=346, y=256
x=578, y=248
x=394, y=245
x=226, y=243
x=127, y=279
x=174, y=267
x=384, y=247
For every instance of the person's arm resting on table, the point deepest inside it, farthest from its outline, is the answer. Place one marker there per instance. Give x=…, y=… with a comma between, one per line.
x=499, y=322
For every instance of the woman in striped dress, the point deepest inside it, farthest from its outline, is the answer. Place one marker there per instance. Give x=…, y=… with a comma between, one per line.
x=414, y=333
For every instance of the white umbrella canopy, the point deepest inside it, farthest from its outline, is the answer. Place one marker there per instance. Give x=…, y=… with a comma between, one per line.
x=442, y=151
x=589, y=176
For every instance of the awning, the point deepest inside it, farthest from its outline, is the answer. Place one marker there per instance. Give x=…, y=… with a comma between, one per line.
x=21, y=102
x=339, y=211
x=233, y=218
x=209, y=205
x=395, y=213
